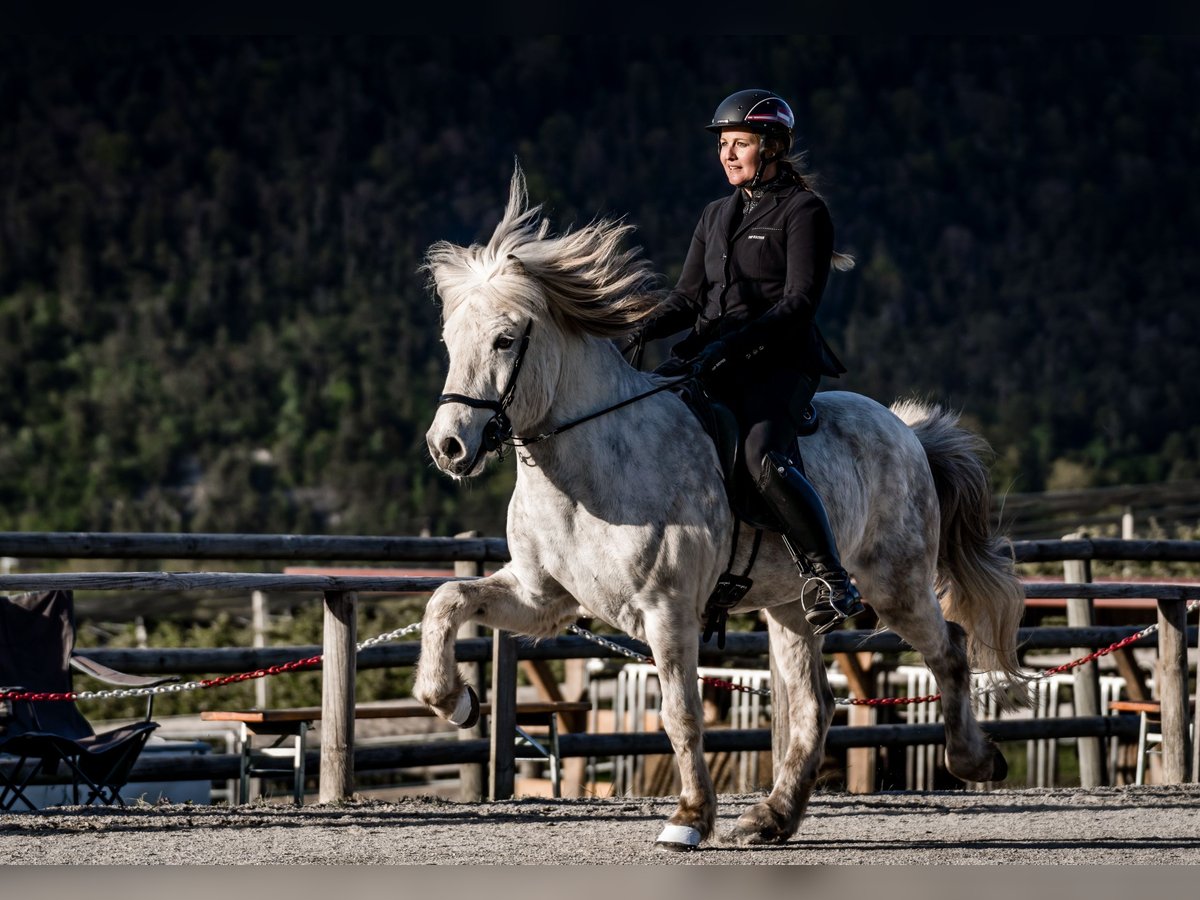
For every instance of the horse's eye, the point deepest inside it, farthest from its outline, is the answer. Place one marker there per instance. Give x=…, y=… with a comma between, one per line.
x=503, y=342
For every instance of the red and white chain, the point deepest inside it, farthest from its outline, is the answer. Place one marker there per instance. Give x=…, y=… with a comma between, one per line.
x=406, y=630
x=890, y=701
x=186, y=686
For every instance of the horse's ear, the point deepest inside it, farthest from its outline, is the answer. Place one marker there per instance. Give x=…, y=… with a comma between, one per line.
x=515, y=266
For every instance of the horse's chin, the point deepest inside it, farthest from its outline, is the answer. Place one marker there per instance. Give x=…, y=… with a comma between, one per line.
x=480, y=464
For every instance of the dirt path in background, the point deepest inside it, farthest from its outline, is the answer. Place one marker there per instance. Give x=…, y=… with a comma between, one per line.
x=1109, y=825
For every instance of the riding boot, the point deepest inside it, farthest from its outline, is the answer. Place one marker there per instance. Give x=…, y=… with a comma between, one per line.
x=807, y=533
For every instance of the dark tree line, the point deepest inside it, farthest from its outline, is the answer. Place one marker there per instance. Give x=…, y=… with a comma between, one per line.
x=211, y=316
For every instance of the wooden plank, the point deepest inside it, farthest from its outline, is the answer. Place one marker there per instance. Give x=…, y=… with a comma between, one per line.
x=860, y=761
x=502, y=771
x=314, y=713
x=1135, y=679
x=574, y=771
x=241, y=582
x=1108, y=549
x=1086, y=678
x=227, y=660
x=1135, y=706
x=236, y=582
x=1196, y=719
x=1173, y=690
x=541, y=677
x=540, y=674
x=135, y=545
x=337, y=697
x=856, y=672
x=472, y=779
x=156, y=767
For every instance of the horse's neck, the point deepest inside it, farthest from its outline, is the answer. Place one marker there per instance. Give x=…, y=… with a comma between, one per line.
x=594, y=377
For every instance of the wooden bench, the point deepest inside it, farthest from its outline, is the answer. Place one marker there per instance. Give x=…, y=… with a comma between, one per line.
x=1149, y=730
x=293, y=724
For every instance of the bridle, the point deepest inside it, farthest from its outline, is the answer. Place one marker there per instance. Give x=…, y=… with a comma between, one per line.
x=498, y=431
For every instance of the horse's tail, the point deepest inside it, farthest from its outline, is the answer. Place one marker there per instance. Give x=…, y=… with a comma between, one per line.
x=977, y=582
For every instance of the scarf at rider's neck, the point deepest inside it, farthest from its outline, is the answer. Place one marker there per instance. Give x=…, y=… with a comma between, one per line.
x=785, y=178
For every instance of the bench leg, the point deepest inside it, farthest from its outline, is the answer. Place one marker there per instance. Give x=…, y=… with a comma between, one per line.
x=244, y=782
x=301, y=742
x=1142, y=748
x=555, y=759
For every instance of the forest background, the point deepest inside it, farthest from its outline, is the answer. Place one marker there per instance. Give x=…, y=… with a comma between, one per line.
x=211, y=317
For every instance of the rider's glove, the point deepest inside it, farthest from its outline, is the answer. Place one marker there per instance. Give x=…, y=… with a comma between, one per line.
x=712, y=360
x=674, y=367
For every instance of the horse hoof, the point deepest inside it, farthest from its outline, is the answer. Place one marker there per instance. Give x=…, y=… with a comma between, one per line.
x=757, y=826
x=466, y=713
x=999, y=766
x=678, y=839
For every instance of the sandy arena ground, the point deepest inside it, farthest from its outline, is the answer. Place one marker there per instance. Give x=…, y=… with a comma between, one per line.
x=1155, y=825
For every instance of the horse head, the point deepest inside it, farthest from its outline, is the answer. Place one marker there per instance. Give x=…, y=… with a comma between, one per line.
x=511, y=310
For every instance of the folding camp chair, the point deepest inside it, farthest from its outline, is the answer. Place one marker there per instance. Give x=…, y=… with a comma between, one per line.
x=37, y=642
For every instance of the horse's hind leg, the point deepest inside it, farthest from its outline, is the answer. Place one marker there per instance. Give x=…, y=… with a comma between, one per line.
x=810, y=710
x=915, y=615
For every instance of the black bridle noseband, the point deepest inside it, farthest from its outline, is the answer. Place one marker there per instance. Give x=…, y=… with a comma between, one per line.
x=498, y=431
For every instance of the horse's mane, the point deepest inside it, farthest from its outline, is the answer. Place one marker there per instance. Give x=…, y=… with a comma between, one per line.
x=587, y=281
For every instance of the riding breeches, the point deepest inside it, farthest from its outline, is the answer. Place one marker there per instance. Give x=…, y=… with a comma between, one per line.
x=768, y=409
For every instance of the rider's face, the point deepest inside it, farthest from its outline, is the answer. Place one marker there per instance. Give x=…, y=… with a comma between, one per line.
x=740, y=153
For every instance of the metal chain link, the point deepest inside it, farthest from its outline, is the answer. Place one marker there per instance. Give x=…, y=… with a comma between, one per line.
x=633, y=654
x=1005, y=685
x=891, y=701
x=179, y=688
x=127, y=693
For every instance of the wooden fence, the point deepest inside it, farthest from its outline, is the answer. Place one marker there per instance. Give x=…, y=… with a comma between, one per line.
x=339, y=759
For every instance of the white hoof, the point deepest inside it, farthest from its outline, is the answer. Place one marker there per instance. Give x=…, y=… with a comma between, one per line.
x=678, y=838
x=466, y=713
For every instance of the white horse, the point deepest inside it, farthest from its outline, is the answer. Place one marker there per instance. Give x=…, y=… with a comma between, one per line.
x=625, y=517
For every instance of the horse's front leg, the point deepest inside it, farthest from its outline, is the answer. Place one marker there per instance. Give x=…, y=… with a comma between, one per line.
x=675, y=648
x=499, y=601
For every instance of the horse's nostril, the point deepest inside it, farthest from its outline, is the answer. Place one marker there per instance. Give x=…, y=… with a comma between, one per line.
x=452, y=449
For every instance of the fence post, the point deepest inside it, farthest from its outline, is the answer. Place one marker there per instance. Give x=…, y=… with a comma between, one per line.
x=471, y=775
x=337, y=696
x=1173, y=689
x=502, y=772
x=1196, y=711
x=259, y=622
x=1087, y=677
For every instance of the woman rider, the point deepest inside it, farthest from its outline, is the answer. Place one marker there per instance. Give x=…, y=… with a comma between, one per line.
x=749, y=290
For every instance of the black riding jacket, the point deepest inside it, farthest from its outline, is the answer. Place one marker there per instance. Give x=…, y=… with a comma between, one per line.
x=755, y=281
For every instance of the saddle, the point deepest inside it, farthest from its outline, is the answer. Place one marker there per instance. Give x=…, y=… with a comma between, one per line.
x=745, y=501
x=721, y=426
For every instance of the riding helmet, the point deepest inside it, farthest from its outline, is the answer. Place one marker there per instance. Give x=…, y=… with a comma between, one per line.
x=763, y=112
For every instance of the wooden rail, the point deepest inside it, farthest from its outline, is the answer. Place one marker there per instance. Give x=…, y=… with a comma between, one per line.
x=166, y=766
x=133, y=545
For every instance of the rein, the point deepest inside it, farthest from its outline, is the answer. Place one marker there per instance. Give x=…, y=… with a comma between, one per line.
x=567, y=426
x=499, y=430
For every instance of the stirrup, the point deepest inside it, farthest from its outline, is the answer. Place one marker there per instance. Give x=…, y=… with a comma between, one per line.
x=825, y=614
